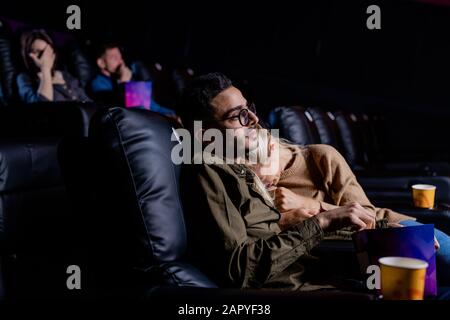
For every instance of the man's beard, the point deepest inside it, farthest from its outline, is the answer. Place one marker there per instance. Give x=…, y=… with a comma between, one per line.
x=249, y=146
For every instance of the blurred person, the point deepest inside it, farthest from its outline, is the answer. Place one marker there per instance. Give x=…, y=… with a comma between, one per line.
x=112, y=72
x=42, y=81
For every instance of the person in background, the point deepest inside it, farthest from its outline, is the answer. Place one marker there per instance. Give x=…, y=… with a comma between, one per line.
x=42, y=81
x=113, y=71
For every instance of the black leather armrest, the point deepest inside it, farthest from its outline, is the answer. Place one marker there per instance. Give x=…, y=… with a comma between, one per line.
x=397, y=190
x=440, y=218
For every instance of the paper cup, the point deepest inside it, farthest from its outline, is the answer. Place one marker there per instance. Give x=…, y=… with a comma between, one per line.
x=402, y=278
x=423, y=195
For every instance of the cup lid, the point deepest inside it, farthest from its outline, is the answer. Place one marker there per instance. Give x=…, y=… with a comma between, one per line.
x=423, y=187
x=403, y=262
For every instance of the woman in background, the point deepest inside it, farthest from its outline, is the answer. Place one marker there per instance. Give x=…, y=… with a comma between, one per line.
x=41, y=81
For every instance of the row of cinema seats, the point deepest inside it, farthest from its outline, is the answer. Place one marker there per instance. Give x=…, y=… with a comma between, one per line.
x=358, y=136
x=76, y=57
x=96, y=188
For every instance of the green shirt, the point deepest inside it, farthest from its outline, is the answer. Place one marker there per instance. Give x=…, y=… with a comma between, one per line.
x=233, y=232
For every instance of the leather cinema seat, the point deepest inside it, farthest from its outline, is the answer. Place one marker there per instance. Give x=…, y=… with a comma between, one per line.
x=350, y=133
x=79, y=64
x=7, y=67
x=135, y=206
x=295, y=124
x=352, y=140
x=312, y=125
x=34, y=209
x=325, y=123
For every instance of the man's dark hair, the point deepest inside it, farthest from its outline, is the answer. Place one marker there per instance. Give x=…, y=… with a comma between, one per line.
x=100, y=49
x=197, y=97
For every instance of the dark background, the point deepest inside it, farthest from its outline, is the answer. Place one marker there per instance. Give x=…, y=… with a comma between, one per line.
x=298, y=52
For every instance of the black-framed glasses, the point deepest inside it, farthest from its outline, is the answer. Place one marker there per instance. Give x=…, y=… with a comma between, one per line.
x=243, y=115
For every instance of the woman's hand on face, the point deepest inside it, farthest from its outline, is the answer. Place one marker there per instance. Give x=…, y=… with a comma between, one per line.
x=286, y=200
x=47, y=59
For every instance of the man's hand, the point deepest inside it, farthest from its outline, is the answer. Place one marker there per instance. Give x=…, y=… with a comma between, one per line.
x=294, y=216
x=286, y=200
x=47, y=59
x=125, y=73
x=351, y=215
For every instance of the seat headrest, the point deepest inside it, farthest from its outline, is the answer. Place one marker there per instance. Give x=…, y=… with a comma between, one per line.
x=352, y=145
x=295, y=125
x=326, y=126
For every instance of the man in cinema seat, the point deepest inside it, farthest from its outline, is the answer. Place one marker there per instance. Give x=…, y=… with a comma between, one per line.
x=113, y=71
x=239, y=234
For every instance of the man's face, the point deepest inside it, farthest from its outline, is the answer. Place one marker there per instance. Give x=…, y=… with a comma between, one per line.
x=227, y=106
x=111, y=60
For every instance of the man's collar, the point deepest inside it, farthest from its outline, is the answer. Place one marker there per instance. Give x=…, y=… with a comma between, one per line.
x=241, y=170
